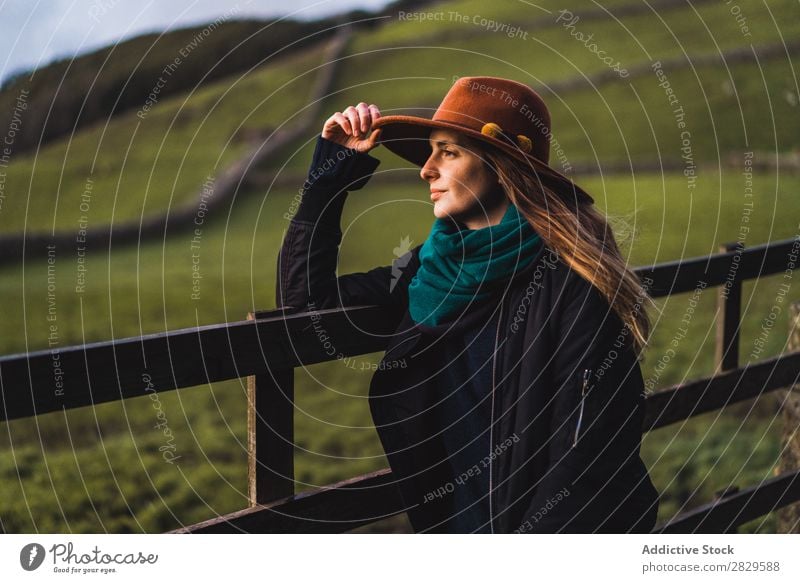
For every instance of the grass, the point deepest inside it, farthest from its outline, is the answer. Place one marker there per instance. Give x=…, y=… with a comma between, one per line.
x=708, y=27
x=99, y=468
x=134, y=167
x=691, y=461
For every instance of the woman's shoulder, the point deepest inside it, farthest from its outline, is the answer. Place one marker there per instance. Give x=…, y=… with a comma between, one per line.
x=547, y=269
x=564, y=285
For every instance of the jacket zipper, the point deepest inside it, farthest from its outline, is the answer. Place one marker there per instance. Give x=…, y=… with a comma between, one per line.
x=491, y=422
x=586, y=375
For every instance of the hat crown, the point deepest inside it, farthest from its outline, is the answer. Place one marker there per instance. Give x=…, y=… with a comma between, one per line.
x=473, y=102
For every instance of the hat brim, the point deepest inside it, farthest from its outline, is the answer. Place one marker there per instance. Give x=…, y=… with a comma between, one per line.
x=407, y=136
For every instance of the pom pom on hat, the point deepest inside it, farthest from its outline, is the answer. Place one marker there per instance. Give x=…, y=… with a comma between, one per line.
x=492, y=130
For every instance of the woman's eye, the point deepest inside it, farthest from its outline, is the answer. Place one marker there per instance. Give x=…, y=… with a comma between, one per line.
x=447, y=153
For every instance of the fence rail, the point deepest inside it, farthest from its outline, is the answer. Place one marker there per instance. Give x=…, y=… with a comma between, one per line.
x=268, y=346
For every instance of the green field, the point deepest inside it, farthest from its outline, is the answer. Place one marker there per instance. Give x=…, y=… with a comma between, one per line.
x=99, y=469
x=141, y=166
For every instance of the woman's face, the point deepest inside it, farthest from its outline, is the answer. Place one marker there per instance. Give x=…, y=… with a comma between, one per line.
x=462, y=186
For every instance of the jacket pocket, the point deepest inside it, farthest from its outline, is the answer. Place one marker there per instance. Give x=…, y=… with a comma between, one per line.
x=587, y=374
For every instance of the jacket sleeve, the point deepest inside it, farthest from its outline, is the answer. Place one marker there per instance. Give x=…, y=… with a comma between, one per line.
x=596, y=480
x=306, y=270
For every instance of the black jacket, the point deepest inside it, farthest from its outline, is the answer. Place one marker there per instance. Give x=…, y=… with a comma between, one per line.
x=568, y=394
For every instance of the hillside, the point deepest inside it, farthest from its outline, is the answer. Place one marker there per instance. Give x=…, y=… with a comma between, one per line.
x=140, y=165
x=101, y=468
x=628, y=123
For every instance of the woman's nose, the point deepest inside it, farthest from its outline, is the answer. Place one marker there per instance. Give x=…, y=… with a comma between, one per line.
x=428, y=172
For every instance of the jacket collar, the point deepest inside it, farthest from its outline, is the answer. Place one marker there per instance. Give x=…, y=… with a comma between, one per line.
x=409, y=334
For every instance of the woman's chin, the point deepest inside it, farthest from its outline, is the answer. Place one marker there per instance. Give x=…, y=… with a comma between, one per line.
x=440, y=211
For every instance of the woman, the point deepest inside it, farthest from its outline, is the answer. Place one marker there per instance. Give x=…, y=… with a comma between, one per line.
x=510, y=399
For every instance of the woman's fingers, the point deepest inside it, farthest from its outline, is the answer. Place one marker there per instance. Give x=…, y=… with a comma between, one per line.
x=353, y=126
x=365, y=117
x=339, y=118
x=357, y=120
x=361, y=118
x=375, y=112
x=369, y=114
x=351, y=113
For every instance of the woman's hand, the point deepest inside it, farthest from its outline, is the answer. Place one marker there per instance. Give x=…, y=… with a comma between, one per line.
x=351, y=127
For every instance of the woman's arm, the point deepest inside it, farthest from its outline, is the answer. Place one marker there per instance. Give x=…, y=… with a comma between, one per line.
x=596, y=428
x=306, y=277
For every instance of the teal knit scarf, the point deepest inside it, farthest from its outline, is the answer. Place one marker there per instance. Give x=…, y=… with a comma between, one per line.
x=460, y=265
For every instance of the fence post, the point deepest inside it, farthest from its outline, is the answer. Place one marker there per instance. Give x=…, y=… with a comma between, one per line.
x=729, y=301
x=270, y=435
x=789, y=516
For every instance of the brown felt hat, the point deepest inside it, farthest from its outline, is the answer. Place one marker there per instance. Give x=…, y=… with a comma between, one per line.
x=504, y=113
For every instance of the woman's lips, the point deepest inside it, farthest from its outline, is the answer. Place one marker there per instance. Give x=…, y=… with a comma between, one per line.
x=435, y=194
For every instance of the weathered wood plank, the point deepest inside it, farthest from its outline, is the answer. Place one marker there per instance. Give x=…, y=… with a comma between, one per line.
x=270, y=435
x=372, y=497
x=708, y=394
x=736, y=509
x=77, y=376
x=729, y=313
x=684, y=275
x=336, y=508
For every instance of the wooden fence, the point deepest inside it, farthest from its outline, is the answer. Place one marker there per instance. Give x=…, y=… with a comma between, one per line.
x=268, y=346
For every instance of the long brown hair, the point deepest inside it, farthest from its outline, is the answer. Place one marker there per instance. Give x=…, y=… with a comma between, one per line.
x=581, y=236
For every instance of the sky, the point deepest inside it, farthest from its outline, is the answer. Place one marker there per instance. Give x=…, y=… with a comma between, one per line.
x=36, y=32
